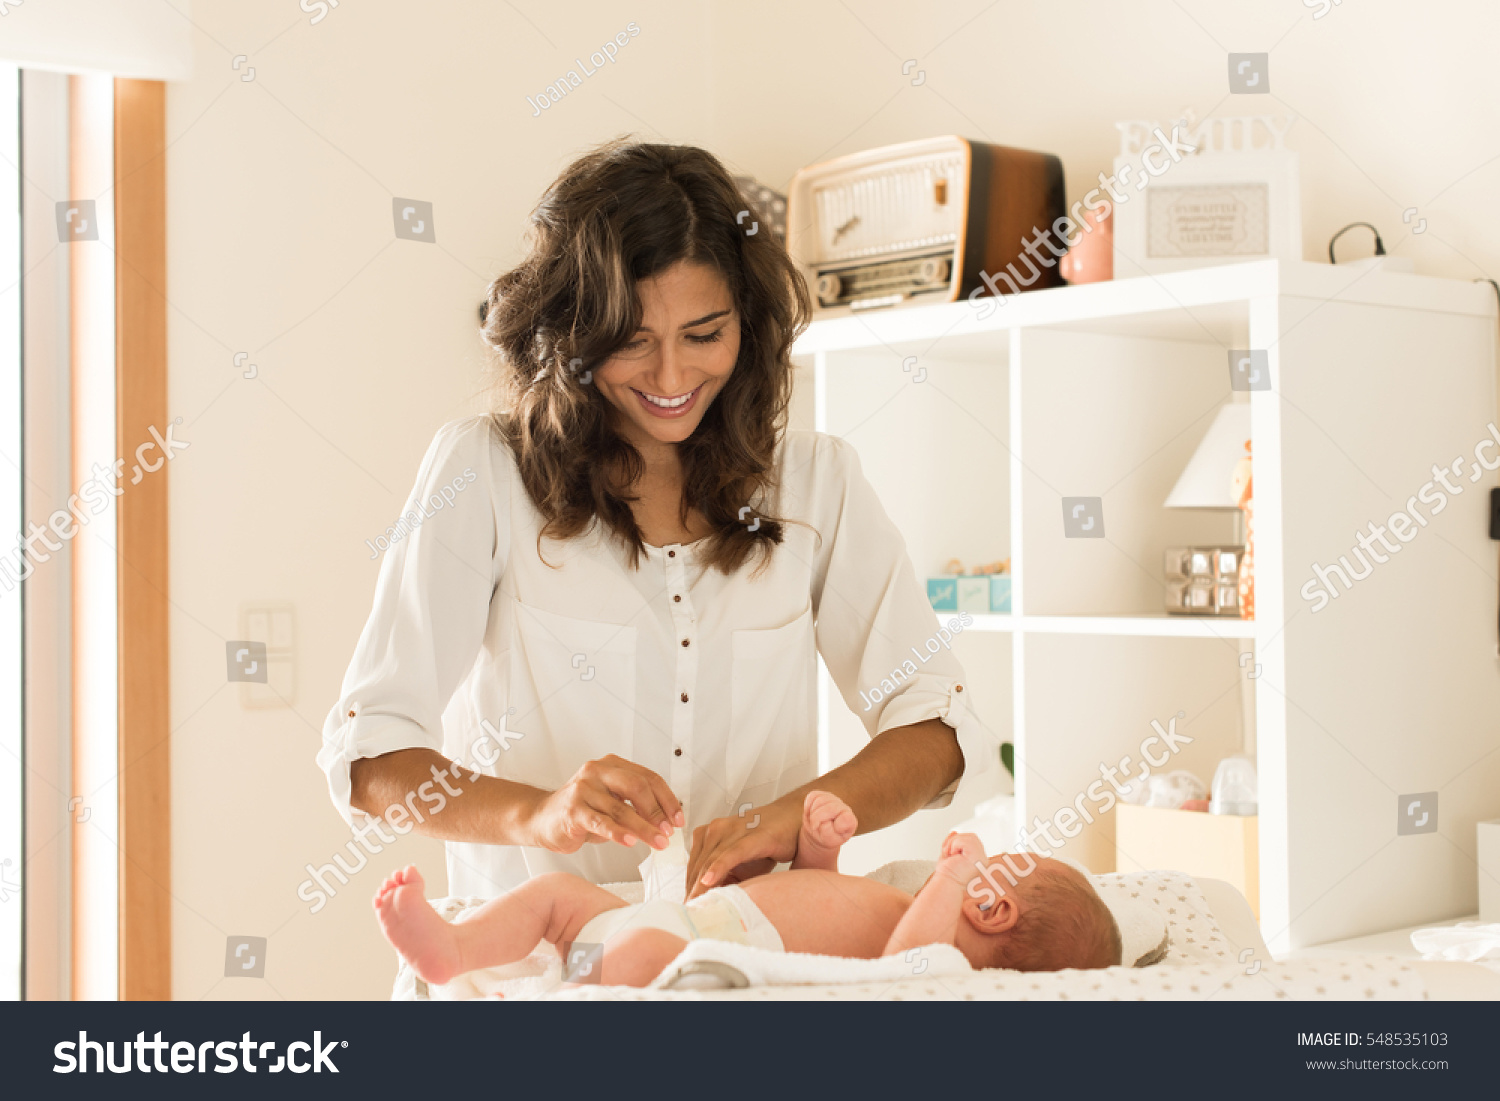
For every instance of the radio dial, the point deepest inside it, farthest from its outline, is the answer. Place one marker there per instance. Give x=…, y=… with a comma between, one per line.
x=933, y=271
x=830, y=286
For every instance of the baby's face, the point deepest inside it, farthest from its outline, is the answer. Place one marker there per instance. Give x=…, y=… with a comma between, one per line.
x=1001, y=874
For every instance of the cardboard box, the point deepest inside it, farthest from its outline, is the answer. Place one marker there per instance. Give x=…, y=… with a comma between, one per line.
x=1000, y=593
x=1218, y=846
x=1489, y=871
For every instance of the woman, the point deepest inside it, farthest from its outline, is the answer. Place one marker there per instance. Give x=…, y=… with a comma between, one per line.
x=611, y=620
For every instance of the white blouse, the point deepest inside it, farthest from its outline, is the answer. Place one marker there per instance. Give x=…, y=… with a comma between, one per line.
x=524, y=669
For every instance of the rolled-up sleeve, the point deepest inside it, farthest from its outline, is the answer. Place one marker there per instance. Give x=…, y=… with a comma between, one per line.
x=432, y=604
x=876, y=630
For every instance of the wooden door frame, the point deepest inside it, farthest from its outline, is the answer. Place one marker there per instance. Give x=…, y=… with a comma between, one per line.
x=145, y=897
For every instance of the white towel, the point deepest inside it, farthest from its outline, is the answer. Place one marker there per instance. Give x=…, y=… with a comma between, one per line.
x=720, y=965
x=1467, y=941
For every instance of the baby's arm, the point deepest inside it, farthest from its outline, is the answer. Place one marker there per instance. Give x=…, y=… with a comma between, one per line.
x=933, y=917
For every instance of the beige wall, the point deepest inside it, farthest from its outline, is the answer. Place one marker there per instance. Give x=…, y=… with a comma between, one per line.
x=282, y=246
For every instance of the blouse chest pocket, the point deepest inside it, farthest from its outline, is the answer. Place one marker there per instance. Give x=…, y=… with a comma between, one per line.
x=573, y=685
x=773, y=707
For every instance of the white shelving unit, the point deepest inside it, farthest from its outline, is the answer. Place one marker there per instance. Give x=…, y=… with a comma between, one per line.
x=1141, y=626
x=973, y=428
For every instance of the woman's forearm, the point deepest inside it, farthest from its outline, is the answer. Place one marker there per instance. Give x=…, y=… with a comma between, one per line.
x=897, y=773
x=441, y=799
x=900, y=771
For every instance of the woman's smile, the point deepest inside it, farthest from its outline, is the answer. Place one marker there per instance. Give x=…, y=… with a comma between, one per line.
x=664, y=379
x=659, y=406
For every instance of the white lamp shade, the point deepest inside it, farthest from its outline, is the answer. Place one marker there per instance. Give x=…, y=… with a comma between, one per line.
x=1208, y=479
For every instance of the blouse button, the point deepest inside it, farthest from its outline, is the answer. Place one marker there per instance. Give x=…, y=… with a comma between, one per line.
x=684, y=642
x=351, y=714
x=677, y=753
x=676, y=599
x=671, y=554
x=684, y=697
x=958, y=688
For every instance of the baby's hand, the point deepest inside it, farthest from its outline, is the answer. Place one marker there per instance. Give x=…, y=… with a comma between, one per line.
x=963, y=844
x=962, y=855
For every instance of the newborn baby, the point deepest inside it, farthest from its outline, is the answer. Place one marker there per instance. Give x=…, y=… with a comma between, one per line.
x=1026, y=914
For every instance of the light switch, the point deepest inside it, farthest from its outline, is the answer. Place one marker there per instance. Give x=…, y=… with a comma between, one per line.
x=275, y=624
x=281, y=629
x=258, y=627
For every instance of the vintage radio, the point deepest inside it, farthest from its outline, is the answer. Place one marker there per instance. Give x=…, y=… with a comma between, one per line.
x=919, y=222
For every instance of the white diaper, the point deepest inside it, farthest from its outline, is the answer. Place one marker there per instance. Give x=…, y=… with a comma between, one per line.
x=723, y=913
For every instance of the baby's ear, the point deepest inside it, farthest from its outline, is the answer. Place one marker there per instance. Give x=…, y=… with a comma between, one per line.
x=998, y=915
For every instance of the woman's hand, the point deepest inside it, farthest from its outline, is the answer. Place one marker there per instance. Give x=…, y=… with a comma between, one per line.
x=610, y=799
x=729, y=850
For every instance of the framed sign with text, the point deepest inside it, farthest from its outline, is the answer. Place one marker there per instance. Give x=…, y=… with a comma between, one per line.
x=1223, y=190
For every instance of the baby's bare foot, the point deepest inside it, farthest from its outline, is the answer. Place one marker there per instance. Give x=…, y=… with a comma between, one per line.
x=827, y=822
x=414, y=929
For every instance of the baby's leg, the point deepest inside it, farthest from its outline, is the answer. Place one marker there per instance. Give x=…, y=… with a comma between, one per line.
x=551, y=907
x=636, y=956
x=827, y=822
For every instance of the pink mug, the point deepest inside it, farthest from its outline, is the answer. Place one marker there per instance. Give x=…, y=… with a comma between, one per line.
x=1091, y=259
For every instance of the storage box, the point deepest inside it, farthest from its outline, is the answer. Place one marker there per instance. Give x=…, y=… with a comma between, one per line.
x=974, y=595
x=983, y=594
x=1219, y=846
x=1489, y=871
x=942, y=593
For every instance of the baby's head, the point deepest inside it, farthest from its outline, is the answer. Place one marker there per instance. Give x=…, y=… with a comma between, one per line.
x=1031, y=913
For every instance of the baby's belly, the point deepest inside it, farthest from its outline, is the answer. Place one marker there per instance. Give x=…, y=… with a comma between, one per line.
x=828, y=913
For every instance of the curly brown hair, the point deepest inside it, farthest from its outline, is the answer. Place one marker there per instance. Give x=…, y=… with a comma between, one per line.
x=624, y=212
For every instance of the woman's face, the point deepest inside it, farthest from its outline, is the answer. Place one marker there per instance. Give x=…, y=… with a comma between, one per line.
x=662, y=381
